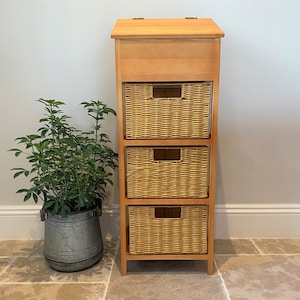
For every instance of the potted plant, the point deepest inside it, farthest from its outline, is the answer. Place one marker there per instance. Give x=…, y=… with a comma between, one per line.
x=69, y=171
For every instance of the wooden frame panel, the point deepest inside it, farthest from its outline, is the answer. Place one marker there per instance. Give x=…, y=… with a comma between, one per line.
x=148, y=60
x=167, y=51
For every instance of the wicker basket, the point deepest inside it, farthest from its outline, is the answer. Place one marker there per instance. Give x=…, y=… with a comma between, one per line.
x=185, y=176
x=175, y=111
x=183, y=233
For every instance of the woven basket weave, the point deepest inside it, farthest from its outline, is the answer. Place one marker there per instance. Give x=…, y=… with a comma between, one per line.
x=149, y=234
x=184, y=178
x=187, y=116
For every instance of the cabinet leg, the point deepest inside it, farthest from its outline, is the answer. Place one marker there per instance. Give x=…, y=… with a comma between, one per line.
x=123, y=266
x=210, y=266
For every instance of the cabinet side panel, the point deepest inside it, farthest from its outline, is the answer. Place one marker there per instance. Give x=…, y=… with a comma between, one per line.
x=213, y=157
x=123, y=222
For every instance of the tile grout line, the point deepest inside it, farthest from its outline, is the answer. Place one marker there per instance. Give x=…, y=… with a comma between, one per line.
x=256, y=247
x=8, y=265
x=222, y=281
x=111, y=270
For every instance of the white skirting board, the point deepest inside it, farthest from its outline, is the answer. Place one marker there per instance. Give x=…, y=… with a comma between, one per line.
x=257, y=221
x=231, y=221
x=23, y=222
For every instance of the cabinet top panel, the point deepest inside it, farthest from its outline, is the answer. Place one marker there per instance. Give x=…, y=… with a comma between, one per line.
x=166, y=28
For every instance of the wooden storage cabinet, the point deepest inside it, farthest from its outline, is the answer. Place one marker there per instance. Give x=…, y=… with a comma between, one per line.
x=167, y=82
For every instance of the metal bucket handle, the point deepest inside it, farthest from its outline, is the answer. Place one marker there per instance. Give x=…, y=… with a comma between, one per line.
x=96, y=211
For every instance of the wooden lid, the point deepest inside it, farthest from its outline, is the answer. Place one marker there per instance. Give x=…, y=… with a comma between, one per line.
x=166, y=28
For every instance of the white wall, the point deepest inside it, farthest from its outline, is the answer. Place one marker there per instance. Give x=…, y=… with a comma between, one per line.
x=62, y=49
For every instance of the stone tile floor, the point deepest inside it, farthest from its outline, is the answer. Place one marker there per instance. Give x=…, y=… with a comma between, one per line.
x=244, y=269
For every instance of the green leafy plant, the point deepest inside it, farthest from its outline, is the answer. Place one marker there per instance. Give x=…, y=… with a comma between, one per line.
x=69, y=168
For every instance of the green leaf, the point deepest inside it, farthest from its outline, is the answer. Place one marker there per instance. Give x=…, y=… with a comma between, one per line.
x=48, y=204
x=35, y=197
x=27, y=196
x=22, y=191
x=18, y=174
x=18, y=169
x=15, y=150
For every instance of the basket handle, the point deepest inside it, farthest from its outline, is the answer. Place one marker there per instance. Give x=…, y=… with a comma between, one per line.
x=167, y=212
x=166, y=91
x=166, y=154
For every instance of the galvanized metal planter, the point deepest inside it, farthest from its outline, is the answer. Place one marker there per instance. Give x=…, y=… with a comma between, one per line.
x=73, y=243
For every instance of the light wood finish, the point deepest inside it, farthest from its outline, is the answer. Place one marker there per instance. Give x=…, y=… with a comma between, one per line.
x=159, y=51
x=166, y=257
x=183, y=142
x=166, y=28
x=167, y=60
x=166, y=201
